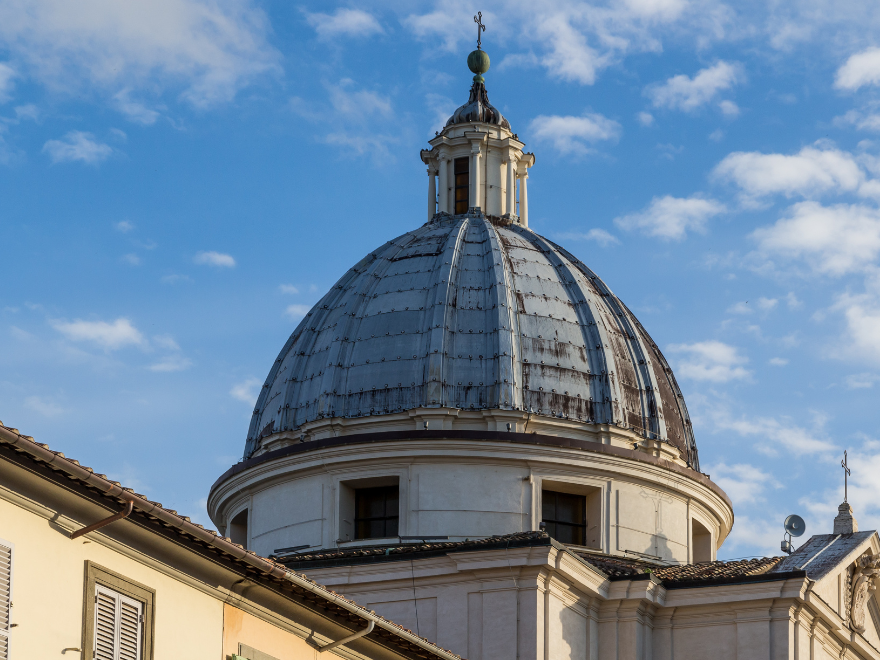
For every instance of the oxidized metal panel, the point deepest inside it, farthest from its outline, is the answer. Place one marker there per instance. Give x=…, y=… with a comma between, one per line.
x=463, y=313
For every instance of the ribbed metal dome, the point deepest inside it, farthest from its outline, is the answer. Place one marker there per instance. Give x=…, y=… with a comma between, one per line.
x=465, y=313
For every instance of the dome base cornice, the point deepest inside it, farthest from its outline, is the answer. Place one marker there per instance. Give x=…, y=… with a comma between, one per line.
x=478, y=421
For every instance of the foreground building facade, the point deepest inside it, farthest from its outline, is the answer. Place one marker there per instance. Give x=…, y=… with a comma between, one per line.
x=472, y=435
x=90, y=569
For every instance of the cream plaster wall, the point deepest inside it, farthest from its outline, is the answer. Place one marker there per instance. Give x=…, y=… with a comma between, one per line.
x=49, y=578
x=245, y=628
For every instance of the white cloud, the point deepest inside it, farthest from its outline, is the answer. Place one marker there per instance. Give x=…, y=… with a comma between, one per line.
x=767, y=304
x=778, y=362
x=214, y=259
x=601, y=236
x=672, y=217
x=344, y=23
x=862, y=381
x=862, y=316
x=175, y=278
x=109, y=336
x=376, y=146
x=44, y=407
x=743, y=483
x=208, y=50
x=170, y=364
x=645, y=118
x=861, y=119
x=572, y=134
x=297, y=311
x=758, y=537
x=134, y=110
x=834, y=240
x=729, y=108
x=357, y=103
x=740, y=308
x=77, y=145
x=131, y=259
x=860, y=69
x=27, y=111
x=288, y=289
x=572, y=41
x=124, y=226
x=782, y=434
x=569, y=56
x=712, y=361
x=809, y=172
x=7, y=76
x=247, y=390
x=717, y=135
x=663, y=9
x=792, y=301
x=684, y=93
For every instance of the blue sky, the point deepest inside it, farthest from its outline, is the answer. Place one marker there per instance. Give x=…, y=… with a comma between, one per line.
x=181, y=180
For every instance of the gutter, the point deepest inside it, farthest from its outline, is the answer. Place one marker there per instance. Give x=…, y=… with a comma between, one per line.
x=266, y=567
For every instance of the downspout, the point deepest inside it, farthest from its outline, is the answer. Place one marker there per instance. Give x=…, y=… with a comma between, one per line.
x=125, y=513
x=350, y=638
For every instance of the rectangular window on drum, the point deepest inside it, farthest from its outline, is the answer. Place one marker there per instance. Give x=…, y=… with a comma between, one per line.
x=462, y=184
x=377, y=512
x=565, y=516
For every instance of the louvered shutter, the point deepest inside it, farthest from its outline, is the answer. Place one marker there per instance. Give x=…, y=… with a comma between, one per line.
x=5, y=599
x=130, y=628
x=118, y=625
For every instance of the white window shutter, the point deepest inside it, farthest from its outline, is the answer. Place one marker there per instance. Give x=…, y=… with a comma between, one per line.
x=105, y=623
x=130, y=628
x=5, y=599
x=118, y=625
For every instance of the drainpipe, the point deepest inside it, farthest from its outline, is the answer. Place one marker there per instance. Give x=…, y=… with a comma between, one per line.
x=106, y=521
x=350, y=638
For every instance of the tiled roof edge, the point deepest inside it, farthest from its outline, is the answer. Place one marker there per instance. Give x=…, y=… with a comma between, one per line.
x=740, y=579
x=443, y=548
x=268, y=567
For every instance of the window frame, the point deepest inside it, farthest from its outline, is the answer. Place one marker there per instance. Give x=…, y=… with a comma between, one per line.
x=99, y=575
x=582, y=527
x=359, y=492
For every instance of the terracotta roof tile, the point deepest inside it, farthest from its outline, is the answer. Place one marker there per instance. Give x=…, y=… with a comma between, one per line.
x=618, y=567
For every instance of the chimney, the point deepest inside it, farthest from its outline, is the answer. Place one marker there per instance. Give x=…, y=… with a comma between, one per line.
x=845, y=522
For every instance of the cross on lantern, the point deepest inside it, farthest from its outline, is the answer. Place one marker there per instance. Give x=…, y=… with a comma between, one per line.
x=478, y=19
x=846, y=473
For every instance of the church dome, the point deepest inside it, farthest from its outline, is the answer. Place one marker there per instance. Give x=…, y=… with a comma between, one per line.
x=475, y=313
